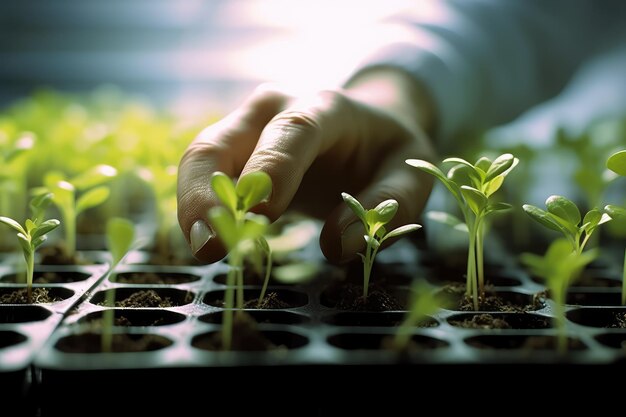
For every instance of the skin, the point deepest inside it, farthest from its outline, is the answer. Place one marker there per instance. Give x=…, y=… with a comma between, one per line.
x=353, y=139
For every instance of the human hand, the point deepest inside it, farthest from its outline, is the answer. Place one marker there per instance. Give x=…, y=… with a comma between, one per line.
x=354, y=140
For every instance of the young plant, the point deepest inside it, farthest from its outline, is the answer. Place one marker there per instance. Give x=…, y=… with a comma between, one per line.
x=426, y=301
x=472, y=186
x=617, y=164
x=33, y=234
x=64, y=197
x=563, y=216
x=120, y=235
x=560, y=267
x=242, y=234
x=374, y=221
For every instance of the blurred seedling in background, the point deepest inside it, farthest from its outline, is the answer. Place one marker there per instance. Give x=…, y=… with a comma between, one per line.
x=617, y=164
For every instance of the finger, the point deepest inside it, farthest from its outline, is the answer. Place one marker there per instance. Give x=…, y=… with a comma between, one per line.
x=342, y=235
x=225, y=146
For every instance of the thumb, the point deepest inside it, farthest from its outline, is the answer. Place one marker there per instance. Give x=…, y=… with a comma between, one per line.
x=342, y=235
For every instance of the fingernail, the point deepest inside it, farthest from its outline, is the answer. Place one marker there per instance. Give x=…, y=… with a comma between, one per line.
x=199, y=235
x=352, y=241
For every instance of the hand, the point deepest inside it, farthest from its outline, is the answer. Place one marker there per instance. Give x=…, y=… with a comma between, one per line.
x=354, y=140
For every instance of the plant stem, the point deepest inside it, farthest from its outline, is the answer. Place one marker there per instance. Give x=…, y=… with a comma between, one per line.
x=240, y=299
x=559, y=316
x=472, y=281
x=368, y=263
x=69, y=221
x=403, y=334
x=268, y=272
x=30, y=269
x=480, y=233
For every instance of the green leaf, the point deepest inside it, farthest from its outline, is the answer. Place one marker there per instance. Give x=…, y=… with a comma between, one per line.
x=35, y=243
x=13, y=224
x=544, y=218
x=464, y=175
x=615, y=211
x=45, y=227
x=41, y=201
x=595, y=218
x=459, y=161
x=95, y=176
x=494, y=185
x=447, y=219
x=499, y=166
x=24, y=243
x=224, y=224
x=120, y=235
x=355, y=206
x=254, y=226
x=385, y=211
x=225, y=190
x=296, y=273
x=617, y=163
x=402, y=230
x=436, y=172
x=253, y=188
x=483, y=163
x=495, y=207
x=92, y=198
x=475, y=199
x=563, y=208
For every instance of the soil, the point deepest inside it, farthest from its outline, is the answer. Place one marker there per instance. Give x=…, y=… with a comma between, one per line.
x=350, y=297
x=482, y=321
x=91, y=343
x=270, y=301
x=246, y=337
x=620, y=321
x=20, y=296
x=490, y=302
x=148, y=298
x=57, y=255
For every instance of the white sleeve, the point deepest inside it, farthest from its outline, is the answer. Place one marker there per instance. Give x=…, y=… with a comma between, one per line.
x=485, y=62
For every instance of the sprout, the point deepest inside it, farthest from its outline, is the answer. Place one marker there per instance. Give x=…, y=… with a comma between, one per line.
x=374, y=221
x=33, y=234
x=617, y=164
x=472, y=186
x=242, y=234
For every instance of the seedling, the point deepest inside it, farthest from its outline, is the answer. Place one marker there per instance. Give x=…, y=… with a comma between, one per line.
x=64, y=197
x=472, y=186
x=374, y=221
x=563, y=216
x=120, y=235
x=560, y=267
x=426, y=301
x=12, y=180
x=33, y=234
x=617, y=164
x=242, y=234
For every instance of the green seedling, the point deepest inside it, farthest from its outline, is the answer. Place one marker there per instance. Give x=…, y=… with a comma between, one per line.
x=374, y=221
x=120, y=236
x=12, y=180
x=560, y=267
x=563, y=216
x=33, y=234
x=617, y=164
x=64, y=191
x=242, y=234
x=472, y=186
x=426, y=301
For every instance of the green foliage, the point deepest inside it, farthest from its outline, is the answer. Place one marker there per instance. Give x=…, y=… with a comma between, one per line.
x=472, y=186
x=33, y=234
x=374, y=221
x=93, y=192
x=560, y=267
x=425, y=302
x=617, y=164
x=242, y=233
x=563, y=216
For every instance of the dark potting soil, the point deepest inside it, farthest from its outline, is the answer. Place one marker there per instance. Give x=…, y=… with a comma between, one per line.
x=20, y=296
x=270, y=301
x=246, y=336
x=489, y=302
x=350, y=297
x=147, y=298
x=620, y=321
x=482, y=321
